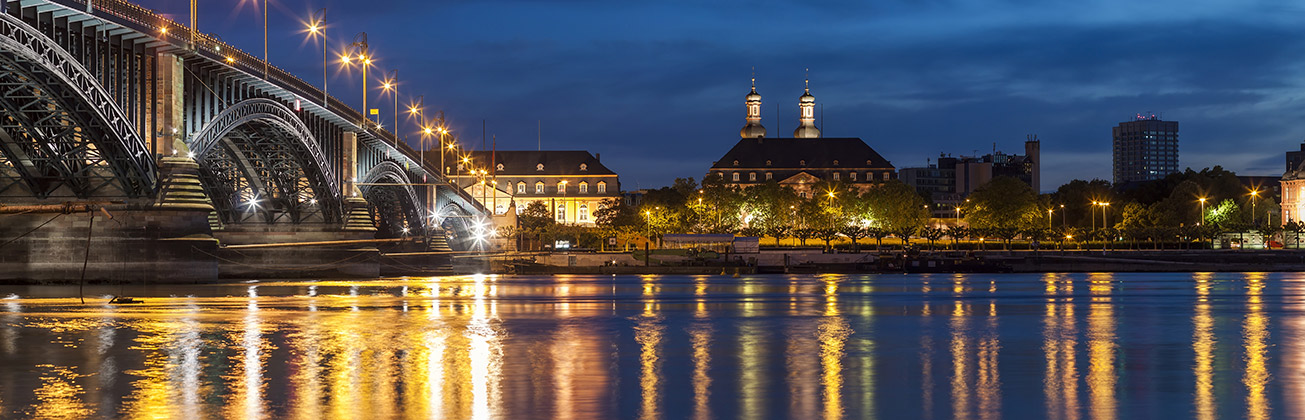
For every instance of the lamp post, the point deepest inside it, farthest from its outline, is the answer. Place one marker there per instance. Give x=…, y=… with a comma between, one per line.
x=265, y=7
x=317, y=27
x=359, y=45
x=391, y=85
x=1200, y=221
x=1104, y=225
x=1062, y=215
x=1048, y=218
x=1255, y=194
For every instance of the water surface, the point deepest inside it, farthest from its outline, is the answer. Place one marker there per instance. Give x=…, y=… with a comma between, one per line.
x=987, y=346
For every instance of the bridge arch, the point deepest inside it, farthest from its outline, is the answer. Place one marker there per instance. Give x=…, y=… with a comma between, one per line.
x=61, y=134
x=397, y=204
x=260, y=163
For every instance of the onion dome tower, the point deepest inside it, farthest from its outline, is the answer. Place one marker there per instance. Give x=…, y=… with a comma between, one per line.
x=807, y=104
x=753, y=128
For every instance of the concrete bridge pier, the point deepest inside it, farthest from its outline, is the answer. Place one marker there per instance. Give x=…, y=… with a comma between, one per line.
x=139, y=240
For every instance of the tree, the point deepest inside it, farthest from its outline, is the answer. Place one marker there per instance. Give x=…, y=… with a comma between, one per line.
x=932, y=234
x=534, y=221
x=854, y=231
x=1077, y=197
x=1004, y=206
x=956, y=233
x=879, y=234
x=905, y=233
x=803, y=233
x=895, y=206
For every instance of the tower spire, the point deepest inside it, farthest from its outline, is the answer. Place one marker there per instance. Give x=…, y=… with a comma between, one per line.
x=753, y=128
x=807, y=113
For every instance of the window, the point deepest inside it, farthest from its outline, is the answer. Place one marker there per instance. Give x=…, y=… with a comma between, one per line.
x=752, y=176
x=584, y=213
x=867, y=162
x=500, y=209
x=561, y=187
x=584, y=187
x=521, y=208
x=769, y=176
x=561, y=212
x=521, y=187
x=736, y=177
x=584, y=167
x=802, y=194
x=736, y=163
x=499, y=167
x=602, y=187
x=835, y=162
x=767, y=162
x=802, y=162
x=539, y=187
x=887, y=175
x=836, y=176
x=539, y=167
x=851, y=176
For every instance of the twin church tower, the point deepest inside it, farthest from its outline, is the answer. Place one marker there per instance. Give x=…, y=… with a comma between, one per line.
x=807, y=118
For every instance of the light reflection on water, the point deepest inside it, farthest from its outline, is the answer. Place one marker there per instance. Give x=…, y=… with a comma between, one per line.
x=1057, y=346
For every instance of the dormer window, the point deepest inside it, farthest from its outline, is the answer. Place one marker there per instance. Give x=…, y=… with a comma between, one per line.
x=584, y=187
x=539, y=167
x=767, y=162
x=499, y=167
x=736, y=163
x=584, y=167
x=802, y=162
x=867, y=162
x=835, y=162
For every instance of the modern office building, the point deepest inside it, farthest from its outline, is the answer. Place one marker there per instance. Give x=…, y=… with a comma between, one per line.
x=1145, y=149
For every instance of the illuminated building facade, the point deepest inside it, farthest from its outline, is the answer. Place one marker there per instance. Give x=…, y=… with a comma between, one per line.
x=798, y=162
x=572, y=183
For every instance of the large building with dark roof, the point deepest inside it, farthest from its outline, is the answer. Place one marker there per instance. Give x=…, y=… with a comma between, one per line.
x=800, y=161
x=573, y=183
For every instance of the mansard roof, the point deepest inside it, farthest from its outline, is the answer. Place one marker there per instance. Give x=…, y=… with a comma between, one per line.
x=850, y=152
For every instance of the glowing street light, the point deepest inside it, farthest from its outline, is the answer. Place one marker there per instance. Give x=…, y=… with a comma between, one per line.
x=316, y=27
x=364, y=58
x=1255, y=194
x=1201, y=221
x=391, y=85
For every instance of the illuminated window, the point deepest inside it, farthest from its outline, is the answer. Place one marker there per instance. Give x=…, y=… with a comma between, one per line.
x=736, y=177
x=802, y=194
x=887, y=176
x=767, y=162
x=584, y=213
x=584, y=187
x=561, y=212
x=499, y=167
x=521, y=208
x=539, y=167
x=500, y=209
x=736, y=163
x=835, y=162
x=769, y=176
x=584, y=167
x=539, y=187
x=836, y=176
x=561, y=187
x=752, y=176
x=851, y=176
x=521, y=187
x=602, y=187
x=802, y=162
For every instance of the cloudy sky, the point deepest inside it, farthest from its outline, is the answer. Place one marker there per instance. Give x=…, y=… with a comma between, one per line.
x=657, y=87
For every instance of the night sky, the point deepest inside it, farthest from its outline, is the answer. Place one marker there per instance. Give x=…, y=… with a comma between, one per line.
x=657, y=87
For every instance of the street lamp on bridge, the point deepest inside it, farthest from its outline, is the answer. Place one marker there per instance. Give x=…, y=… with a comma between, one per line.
x=316, y=26
x=360, y=51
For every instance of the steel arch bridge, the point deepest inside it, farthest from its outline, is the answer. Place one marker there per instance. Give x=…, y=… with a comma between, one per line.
x=94, y=92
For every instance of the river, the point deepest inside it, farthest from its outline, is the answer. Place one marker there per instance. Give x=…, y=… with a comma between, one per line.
x=971, y=346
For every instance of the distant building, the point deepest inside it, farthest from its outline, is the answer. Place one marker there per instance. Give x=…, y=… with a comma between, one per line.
x=1295, y=159
x=948, y=182
x=573, y=184
x=1145, y=149
x=802, y=160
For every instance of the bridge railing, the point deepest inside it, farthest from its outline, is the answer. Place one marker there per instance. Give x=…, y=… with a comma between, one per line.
x=212, y=47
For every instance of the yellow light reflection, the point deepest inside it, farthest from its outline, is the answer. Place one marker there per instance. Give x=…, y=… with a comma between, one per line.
x=961, y=349
x=1256, y=336
x=833, y=339
x=700, y=337
x=1060, y=332
x=59, y=395
x=485, y=357
x=648, y=333
x=1203, y=344
x=1102, y=377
